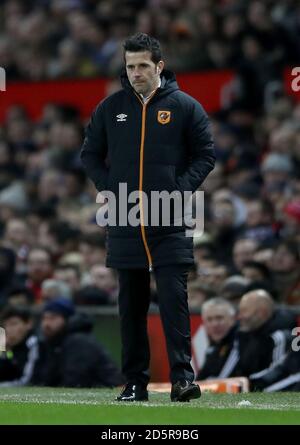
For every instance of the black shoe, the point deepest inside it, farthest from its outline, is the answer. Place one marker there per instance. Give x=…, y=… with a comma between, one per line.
x=184, y=391
x=133, y=393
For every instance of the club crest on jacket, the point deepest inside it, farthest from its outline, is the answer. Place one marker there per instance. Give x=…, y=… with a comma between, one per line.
x=164, y=117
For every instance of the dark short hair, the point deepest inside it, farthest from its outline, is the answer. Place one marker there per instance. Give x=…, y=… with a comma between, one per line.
x=142, y=42
x=261, y=267
x=16, y=290
x=21, y=312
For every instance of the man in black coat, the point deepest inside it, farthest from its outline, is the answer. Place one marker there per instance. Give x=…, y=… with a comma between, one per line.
x=150, y=136
x=69, y=355
x=263, y=338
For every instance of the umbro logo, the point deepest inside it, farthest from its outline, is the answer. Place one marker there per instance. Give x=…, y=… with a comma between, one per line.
x=121, y=117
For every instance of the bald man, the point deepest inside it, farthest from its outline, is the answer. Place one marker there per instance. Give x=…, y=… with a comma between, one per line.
x=256, y=308
x=262, y=344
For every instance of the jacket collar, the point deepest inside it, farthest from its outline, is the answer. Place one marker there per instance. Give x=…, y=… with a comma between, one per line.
x=168, y=83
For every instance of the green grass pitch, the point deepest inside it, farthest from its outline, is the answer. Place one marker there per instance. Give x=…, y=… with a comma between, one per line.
x=45, y=406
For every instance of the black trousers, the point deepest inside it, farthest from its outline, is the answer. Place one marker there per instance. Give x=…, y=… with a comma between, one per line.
x=134, y=299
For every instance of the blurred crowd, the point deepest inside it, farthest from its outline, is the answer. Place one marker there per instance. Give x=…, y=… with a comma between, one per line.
x=51, y=247
x=42, y=39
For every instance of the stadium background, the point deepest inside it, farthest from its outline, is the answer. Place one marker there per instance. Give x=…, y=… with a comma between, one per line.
x=62, y=57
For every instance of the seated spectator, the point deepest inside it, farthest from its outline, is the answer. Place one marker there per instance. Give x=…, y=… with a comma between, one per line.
x=220, y=324
x=59, y=237
x=51, y=289
x=255, y=271
x=69, y=355
x=203, y=248
x=291, y=220
x=225, y=228
x=243, y=251
x=259, y=222
x=101, y=288
x=104, y=279
x=39, y=269
x=214, y=275
x=276, y=168
x=16, y=237
x=262, y=341
x=234, y=288
x=93, y=249
x=286, y=272
x=20, y=296
x=198, y=293
x=18, y=362
x=7, y=271
x=69, y=274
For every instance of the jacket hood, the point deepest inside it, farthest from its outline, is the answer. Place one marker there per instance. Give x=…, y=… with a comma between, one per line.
x=168, y=82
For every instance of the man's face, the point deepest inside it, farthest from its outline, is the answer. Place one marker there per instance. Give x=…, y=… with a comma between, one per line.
x=252, y=273
x=217, y=321
x=39, y=265
x=18, y=300
x=52, y=324
x=16, y=330
x=69, y=276
x=142, y=72
x=243, y=251
x=254, y=214
x=214, y=276
x=17, y=232
x=102, y=277
x=223, y=214
x=283, y=260
x=91, y=254
x=249, y=316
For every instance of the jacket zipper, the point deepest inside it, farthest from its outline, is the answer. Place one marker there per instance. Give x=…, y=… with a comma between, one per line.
x=141, y=173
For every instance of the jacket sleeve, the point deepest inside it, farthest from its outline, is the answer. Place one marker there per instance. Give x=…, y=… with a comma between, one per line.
x=285, y=373
x=280, y=362
x=201, y=150
x=94, y=149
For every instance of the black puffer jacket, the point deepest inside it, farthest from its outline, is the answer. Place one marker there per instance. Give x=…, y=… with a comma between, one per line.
x=285, y=376
x=260, y=349
x=165, y=144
